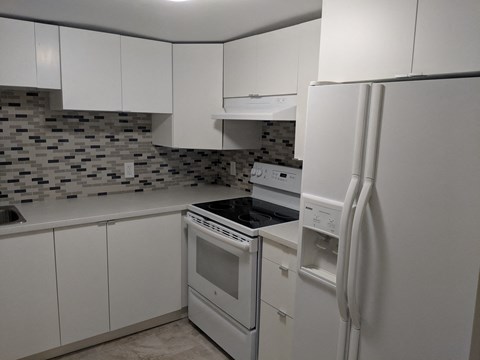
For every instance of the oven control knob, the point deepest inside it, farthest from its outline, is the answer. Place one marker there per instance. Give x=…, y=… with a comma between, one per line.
x=253, y=172
x=259, y=172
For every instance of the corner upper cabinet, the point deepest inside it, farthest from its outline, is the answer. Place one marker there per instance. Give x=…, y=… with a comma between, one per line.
x=91, y=71
x=262, y=65
x=447, y=37
x=197, y=94
x=371, y=39
x=30, y=54
x=146, y=75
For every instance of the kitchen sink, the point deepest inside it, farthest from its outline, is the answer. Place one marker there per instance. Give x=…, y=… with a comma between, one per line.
x=10, y=215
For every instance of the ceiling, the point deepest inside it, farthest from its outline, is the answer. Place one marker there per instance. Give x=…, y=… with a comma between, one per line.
x=189, y=21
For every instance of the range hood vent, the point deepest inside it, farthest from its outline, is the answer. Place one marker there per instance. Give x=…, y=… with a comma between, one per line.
x=269, y=108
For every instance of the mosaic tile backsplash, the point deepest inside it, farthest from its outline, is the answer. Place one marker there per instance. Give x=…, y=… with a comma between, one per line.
x=47, y=154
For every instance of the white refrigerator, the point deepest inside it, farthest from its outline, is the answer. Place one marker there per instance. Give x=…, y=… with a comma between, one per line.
x=389, y=252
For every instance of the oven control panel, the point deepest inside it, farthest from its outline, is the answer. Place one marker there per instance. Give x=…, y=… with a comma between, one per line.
x=276, y=176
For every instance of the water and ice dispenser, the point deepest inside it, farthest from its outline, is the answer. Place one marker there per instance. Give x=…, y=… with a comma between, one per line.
x=319, y=242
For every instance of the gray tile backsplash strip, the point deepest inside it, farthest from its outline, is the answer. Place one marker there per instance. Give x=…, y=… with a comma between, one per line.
x=278, y=144
x=47, y=154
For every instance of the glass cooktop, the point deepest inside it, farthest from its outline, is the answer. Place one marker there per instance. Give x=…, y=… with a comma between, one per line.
x=250, y=212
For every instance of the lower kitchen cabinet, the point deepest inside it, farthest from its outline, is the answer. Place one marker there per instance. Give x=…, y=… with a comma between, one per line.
x=277, y=301
x=144, y=263
x=69, y=284
x=28, y=295
x=81, y=257
x=276, y=334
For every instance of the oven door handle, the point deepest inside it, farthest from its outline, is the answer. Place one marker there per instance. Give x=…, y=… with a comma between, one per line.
x=237, y=244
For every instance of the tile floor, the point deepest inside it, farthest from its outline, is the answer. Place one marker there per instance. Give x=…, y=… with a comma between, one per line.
x=179, y=340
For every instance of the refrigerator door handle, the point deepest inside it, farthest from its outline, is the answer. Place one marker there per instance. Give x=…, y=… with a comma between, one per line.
x=352, y=192
x=363, y=200
x=346, y=221
x=352, y=273
x=344, y=247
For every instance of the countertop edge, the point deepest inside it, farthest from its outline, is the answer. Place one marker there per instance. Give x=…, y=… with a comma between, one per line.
x=275, y=234
x=124, y=210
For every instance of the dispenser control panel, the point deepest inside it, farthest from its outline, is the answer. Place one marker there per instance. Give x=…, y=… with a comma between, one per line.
x=322, y=215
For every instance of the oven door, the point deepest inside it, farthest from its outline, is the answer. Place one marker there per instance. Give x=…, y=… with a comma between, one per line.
x=224, y=271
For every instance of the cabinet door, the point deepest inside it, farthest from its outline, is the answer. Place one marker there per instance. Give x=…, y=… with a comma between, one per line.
x=198, y=76
x=146, y=75
x=81, y=256
x=47, y=46
x=17, y=60
x=447, y=37
x=275, y=340
x=144, y=263
x=28, y=295
x=363, y=40
x=240, y=61
x=277, y=62
x=91, y=74
x=309, y=44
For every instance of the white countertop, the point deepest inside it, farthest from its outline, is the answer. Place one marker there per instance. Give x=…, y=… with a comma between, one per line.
x=285, y=234
x=59, y=213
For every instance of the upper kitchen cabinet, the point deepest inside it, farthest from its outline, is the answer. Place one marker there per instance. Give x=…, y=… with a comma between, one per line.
x=447, y=37
x=240, y=67
x=378, y=39
x=47, y=52
x=277, y=62
x=363, y=40
x=146, y=75
x=197, y=94
x=30, y=54
x=309, y=44
x=91, y=71
x=262, y=65
x=109, y=72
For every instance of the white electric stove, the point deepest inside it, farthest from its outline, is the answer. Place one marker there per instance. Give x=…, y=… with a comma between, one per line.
x=223, y=256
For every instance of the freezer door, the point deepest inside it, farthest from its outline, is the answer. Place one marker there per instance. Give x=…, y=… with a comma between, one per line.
x=419, y=253
x=330, y=139
x=336, y=118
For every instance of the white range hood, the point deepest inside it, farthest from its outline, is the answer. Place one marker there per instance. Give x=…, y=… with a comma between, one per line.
x=269, y=108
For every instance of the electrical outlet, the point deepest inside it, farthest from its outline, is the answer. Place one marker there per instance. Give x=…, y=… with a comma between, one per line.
x=233, y=168
x=129, y=170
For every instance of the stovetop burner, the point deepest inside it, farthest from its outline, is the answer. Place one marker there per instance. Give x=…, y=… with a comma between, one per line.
x=221, y=207
x=250, y=212
x=254, y=217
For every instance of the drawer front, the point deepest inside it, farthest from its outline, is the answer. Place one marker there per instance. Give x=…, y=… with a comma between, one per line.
x=278, y=286
x=280, y=254
x=276, y=334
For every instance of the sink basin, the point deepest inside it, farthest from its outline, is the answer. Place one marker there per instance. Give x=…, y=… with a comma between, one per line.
x=10, y=215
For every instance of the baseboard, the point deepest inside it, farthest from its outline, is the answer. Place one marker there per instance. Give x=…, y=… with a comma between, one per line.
x=111, y=335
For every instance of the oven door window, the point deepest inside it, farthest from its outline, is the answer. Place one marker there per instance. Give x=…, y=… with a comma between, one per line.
x=218, y=266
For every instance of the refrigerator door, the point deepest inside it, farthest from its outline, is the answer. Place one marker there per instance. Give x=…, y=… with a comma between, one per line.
x=419, y=252
x=331, y=173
